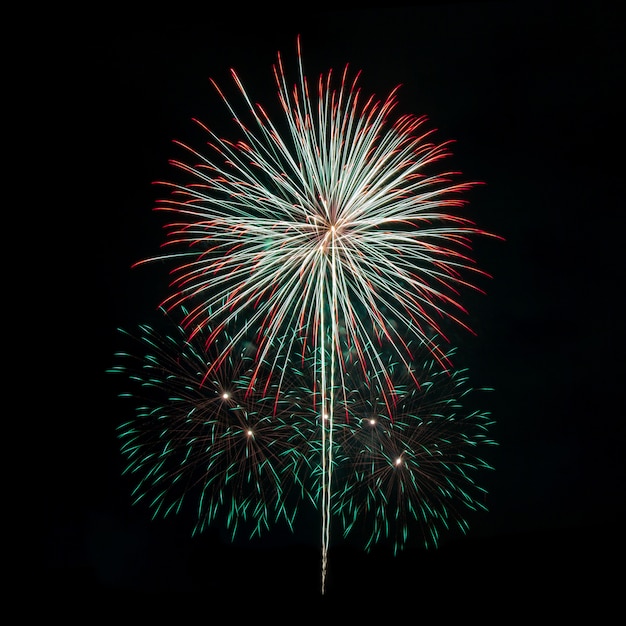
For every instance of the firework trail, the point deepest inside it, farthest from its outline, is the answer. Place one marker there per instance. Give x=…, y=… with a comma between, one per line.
x=324, y=233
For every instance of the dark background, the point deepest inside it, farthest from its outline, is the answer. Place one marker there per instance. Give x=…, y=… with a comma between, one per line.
x=531, y=94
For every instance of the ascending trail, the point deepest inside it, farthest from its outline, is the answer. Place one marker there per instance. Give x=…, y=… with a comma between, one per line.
x=328, y=395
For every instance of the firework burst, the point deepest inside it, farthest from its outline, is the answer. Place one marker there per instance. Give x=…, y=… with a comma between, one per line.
x=220, y=446
x=331, y=245
x=337, y=223
x=217, y=444
x=413, y=466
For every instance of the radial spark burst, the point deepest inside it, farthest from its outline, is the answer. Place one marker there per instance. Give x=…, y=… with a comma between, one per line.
x=218, y=445
x=255, y=457
x=414, y=464
x=332, y=242
x=338, y=222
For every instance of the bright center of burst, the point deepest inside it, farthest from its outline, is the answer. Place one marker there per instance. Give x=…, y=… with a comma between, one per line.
x=332, y=231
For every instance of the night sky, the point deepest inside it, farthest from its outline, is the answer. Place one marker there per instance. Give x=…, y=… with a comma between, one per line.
x=530, y=92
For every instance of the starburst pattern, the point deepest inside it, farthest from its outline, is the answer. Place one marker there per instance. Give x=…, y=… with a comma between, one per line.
x=336, y=222
x=414, y=465
x=255, y=456
x=218, y=443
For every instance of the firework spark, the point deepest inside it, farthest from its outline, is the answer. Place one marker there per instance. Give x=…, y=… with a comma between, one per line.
x=328, y=235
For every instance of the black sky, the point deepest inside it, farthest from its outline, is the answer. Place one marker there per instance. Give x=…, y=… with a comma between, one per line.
x=531, y=94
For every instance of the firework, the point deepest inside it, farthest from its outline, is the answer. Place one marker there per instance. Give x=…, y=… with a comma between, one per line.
x=331, y=245
x=218, y=445
x=336, y=223
x=414, y=466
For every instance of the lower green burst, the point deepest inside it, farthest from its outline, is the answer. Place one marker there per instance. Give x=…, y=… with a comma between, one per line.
x=212, y=444
x=242, y=447
x=411, y=466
